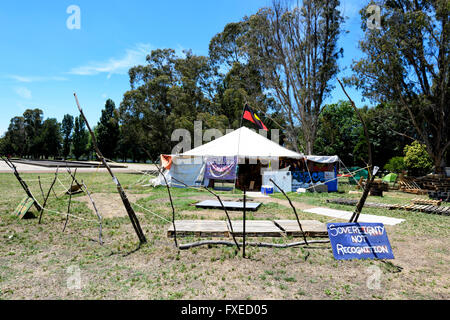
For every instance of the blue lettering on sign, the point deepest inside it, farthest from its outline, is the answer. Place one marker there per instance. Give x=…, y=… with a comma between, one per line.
x=302, y=179
x=305, y=177
x=359, y=241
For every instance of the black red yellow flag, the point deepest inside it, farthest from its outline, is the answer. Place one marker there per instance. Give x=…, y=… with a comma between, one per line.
x=251, y=116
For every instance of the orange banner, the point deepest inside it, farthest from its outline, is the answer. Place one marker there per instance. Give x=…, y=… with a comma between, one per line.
x=166, y=161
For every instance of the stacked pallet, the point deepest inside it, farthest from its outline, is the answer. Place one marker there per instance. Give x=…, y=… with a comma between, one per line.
x=434, y=182
x=426, y=208
x=438, y=186
x=409, y=185
x=427, y=201
x=353, y=202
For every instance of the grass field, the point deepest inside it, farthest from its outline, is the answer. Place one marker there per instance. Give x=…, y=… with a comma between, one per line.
x=39, y=261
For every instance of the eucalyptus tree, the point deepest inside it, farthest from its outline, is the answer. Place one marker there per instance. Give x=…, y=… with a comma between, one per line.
x=295, y=49
x=406, y=61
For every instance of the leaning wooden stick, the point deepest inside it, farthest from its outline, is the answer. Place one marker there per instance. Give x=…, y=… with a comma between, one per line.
x=54, y=193
x=72, y=176
x=22, y=182
x=70, y=200
x=293, y=208
x=40, y=187
x=48, y=195
x=131, y=214
x=171, y=203
x=360, y=205
x=228, y=216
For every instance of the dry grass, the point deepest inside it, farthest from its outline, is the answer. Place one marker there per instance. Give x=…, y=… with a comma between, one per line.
x=35, y=259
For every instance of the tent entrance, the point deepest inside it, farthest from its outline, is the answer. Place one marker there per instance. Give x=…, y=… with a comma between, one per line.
x=249, y=176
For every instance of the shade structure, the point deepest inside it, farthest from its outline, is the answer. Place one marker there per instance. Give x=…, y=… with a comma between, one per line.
x=242, y=142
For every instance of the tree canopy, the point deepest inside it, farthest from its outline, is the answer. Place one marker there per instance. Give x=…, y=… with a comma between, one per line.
x=108, y=131
x=406, y=62
x=282, y=61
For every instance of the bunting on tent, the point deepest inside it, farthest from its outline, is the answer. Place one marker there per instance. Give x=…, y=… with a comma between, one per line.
x=221, y=168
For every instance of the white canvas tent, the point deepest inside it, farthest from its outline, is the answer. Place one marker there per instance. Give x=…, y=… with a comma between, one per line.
x=189, y=167
x=245, y=143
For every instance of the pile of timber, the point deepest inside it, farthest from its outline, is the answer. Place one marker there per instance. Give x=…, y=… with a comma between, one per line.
x=434, y=182
x=437, y=186
x=427, y=201
x=409, y=185
x=440, y=195
x=253, y=228
x=377, y=187
x=427, y=208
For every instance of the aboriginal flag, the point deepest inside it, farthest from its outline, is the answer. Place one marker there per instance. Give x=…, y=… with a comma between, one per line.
x=251, y=116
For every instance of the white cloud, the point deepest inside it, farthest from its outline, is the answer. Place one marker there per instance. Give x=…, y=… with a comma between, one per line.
x=132, y=57
x=23, y=93
x=29, y=79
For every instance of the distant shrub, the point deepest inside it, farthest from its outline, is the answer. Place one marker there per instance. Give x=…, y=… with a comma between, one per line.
x=395, y=164
x=417, y=160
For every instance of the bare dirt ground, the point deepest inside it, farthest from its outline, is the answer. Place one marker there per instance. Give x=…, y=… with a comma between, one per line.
x=109, y=204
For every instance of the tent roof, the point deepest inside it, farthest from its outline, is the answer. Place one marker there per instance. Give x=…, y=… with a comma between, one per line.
x=245, y=143
x=323, y=159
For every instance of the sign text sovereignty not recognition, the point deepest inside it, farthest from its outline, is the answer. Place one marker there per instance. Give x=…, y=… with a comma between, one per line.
x=359, y=241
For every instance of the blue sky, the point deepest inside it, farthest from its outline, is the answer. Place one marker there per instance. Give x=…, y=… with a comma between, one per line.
x=42, y=62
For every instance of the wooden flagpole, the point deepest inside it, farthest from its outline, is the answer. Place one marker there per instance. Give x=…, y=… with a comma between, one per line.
x=239, y=144
x=243, y=224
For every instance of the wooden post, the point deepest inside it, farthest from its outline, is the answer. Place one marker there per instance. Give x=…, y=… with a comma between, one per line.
x=70, y=200
x=48, y=195
x=171, y=203
x=228, y=216
x=131, y=214
x=40, y=186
